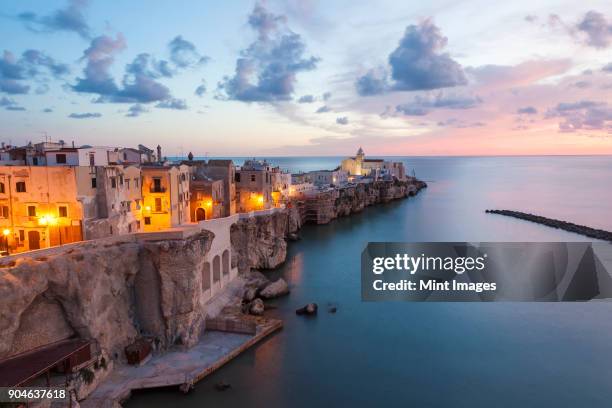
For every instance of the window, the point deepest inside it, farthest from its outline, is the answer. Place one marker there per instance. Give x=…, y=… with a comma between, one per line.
x=63, y=211
x=113, y=182
x=252, y=177
x=31, y=211
x=35, y=161
x=127, y=183
x=124, y=156
x=5, y=211
x=158, y=204
x=136, y=182
x=60, y=158
x=157, y=185
x=2, y=188
x=237, y=178
x=147, y=220
x=92, y=159
x=20, y=187
x=21, y=235
x=94, y=182
x=121, y=180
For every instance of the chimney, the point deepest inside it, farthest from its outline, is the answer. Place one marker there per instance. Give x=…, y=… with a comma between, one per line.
x=159, y=156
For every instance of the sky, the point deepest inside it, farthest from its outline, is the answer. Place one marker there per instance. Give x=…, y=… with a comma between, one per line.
x=307, y=77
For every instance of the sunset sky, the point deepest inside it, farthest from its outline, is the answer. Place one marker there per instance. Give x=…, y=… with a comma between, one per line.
x=306, y=77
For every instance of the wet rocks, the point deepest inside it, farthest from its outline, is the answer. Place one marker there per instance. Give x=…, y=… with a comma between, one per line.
x=256, y=308
x=292, y=236
x=275, y=289
x=309, y=310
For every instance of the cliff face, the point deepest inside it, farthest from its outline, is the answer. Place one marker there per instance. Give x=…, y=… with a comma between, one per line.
x=330, y=205
x=259, y=242
x=107, y=292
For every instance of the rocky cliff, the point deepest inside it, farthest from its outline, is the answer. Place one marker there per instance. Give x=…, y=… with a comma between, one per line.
x=109, y=292
x=259, y=242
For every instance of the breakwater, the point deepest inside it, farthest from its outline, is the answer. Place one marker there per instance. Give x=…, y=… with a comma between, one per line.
x=551, y=222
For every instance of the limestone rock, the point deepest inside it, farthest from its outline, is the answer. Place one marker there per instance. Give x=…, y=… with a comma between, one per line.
x=310, y=309
x=275, y=289
x=257, y=307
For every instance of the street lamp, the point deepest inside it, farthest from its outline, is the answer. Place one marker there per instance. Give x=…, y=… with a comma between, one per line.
x=6, y=232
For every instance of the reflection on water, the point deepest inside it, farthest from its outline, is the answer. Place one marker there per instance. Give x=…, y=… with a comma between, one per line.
x=428, y=354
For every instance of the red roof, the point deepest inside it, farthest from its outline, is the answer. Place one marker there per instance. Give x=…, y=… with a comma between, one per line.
x=17, y=370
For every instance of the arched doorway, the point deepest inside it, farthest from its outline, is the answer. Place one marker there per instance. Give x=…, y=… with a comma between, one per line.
x=200, y=214
x=34, y=239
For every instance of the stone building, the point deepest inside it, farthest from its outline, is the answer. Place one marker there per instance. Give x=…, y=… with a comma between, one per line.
x=358, y=166
x=206, y=199
x=111, y=197
x=38, y=207
x=254, y=186
x=165, y=193
x=336, y=177
x=223, y=170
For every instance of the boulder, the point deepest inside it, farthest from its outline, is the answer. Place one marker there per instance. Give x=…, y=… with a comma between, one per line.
x=292, y=236
x=309, y=310
x=250, y=294
x=275, y=289
x=222, y=386
x=257, y=307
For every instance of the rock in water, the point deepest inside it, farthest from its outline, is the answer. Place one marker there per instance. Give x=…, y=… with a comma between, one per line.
x=275, y=289
x=257, y=307
x=222, y=386
x=310, y=309
x=333, y=309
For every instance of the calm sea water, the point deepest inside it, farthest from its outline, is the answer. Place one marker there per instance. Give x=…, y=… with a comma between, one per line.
x=430, y=354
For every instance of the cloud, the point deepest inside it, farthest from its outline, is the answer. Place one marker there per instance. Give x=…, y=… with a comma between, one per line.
x=374, y=82
x=323, y=109
x=326, y=96
x=201, y=89
x=15, y=73
x=15, y=108
x=47, y=110
x=136, y=110
x=100, y=56
x=342, y=120
x=4, y=101
x=306, y=99
x=417, y=64
x=69, y=18
x=607, y=68
x=140, y=82
x=525, y=73
x=597, y=29
x=184, y=54
x=458, y=123
x=87, y=115
x=582, y=115
x=267, y=70
x=177, y=104
x=527, y=110
x=422, y=105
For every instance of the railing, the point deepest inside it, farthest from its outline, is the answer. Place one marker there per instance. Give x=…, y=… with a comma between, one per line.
x=154, y=189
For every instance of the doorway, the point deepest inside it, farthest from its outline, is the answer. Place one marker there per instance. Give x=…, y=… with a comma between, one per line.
x=34, y=240
x=200, y=214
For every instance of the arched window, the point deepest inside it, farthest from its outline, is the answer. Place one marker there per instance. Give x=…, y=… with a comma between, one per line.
x=225, y=262
x=206, y=276
x=216, y=269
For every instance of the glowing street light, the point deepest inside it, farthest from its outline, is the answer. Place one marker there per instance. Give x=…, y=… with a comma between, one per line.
x=6, y=232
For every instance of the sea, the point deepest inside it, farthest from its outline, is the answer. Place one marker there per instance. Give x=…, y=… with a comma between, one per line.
x=408, y=354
